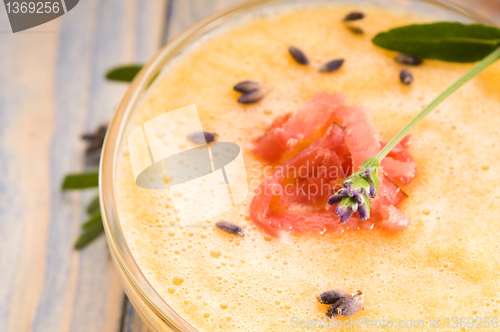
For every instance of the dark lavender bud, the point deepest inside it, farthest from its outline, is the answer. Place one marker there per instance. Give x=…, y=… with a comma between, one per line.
x=368, y=171
x=347, y=183
x=200, y=137
x=342, y=192
x=355, y=30
x=406, y=77
x=252, y=96
x=298, y=55
x=330, y=66
x=373, y=188
x=337, y=197
x=334, y=199
x=409, y=60
x=354, y=16
x=331, y=296
x=342, y=210
x=353, y=191
x=229, y=227
x=354, y=207
x=360, y=199
x=346, y=306
x=346, y=216
x=363, y=211
x=247, y=86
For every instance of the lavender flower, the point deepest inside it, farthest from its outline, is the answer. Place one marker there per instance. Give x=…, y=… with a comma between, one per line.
x=357, y=191
x=346, y=306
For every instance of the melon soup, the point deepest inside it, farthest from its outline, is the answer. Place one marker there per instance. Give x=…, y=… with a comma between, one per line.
x=445, y=264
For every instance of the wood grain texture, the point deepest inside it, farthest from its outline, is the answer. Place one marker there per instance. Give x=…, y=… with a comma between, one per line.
x=131, y=320
x=52, y=89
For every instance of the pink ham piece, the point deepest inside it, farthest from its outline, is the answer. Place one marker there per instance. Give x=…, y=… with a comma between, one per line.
x=399, y=165
x=399, y=152
x=399, y=171
x=287, y=131
x=279, y=204
x=388, y=194
x=393, y=219
x=361, y=135
x=312, y=217
x=267, y=146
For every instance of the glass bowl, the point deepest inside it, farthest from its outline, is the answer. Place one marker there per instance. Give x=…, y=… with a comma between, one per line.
x=153, y=310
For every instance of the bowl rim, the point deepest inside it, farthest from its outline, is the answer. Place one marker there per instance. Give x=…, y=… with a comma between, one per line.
x=120, y=251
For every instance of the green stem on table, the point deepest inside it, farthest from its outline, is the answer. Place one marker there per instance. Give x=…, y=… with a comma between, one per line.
x=495, y=55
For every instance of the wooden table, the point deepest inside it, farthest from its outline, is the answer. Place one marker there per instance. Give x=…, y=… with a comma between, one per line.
x=51, y=90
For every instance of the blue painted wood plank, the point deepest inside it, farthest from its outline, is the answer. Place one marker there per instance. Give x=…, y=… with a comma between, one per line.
x=61, y=300
x=131, y=320
x=186, y=12
x=26, y=118
x=133, y=36
x=52, y=90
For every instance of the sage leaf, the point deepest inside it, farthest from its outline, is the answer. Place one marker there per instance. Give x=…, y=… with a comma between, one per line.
x=93, y=206
x=123, y=73
x=93, y=220
x=447, y=41
x=90, y=231
x=81, y=181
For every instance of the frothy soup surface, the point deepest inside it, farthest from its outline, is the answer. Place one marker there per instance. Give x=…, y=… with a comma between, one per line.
x=446, y=264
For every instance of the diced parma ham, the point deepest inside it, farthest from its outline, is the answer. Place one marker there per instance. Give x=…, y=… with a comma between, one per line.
x=399, y=171
x=285, y=132
x=399, y=165
x=295, y=197
x=400, y=152
x=393, y=220
x=388, y=194
x=267, y=146
x=361, y=135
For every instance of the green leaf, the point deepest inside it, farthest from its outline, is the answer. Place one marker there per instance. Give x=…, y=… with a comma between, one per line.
x=94, y=219
x=123, y=73
x=81, y=181
x=93, y=206
x=447, y=41
x=91, y=230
